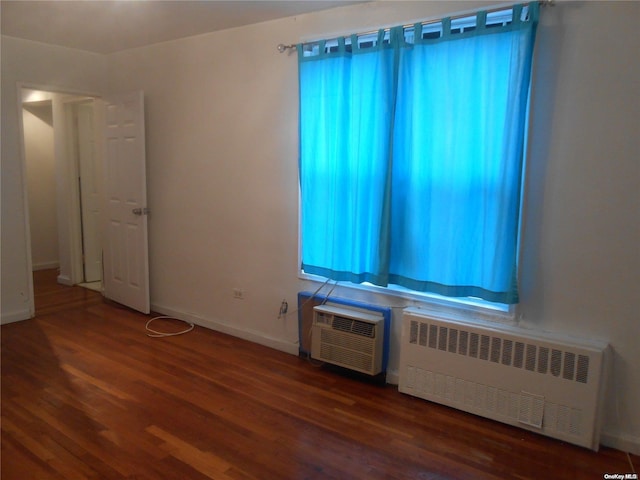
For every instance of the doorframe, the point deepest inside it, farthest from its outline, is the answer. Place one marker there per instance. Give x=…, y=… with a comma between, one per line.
x=72, y=202
x=88, y=153
x=76, y=245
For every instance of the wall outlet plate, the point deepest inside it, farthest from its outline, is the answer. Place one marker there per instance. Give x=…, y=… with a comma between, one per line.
x=238, y=293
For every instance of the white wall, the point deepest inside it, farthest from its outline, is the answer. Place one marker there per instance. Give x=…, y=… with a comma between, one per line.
x=222, y=178
x=39, y=65
x=582, y=243
x=41, y=184
x=222, y=159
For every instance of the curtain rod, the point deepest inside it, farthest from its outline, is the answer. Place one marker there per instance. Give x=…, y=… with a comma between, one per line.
x=544, y=3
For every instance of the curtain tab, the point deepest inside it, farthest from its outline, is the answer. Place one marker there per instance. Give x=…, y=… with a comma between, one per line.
x=417, y=33
x=396, y=36
x=446, y=27
x=534, y=12
x=481, y=20
x=354, y=42
x=322, y=45
x=517, y=14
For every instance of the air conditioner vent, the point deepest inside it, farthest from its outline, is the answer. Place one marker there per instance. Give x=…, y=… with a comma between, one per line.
x=358, y=327
x=348, y=338
x=341, y=323
x=364, y=329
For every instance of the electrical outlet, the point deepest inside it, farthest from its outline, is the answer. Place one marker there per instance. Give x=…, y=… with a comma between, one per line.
x=238, y=293
x=284, y=308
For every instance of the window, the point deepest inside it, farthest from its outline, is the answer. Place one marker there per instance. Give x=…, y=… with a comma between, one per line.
x=412, y=146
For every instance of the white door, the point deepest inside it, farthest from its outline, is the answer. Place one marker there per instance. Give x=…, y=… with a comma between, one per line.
x=90, y=193
x=126, y=260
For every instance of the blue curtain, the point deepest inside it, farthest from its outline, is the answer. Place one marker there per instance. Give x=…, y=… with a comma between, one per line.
x=411, y=155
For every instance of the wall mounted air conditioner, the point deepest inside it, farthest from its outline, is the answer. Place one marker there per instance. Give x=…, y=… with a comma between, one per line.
x=348, y=338
x=541, y=382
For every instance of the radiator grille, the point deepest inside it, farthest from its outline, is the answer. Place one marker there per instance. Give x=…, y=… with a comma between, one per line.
x=546, y=383
x=529, y=356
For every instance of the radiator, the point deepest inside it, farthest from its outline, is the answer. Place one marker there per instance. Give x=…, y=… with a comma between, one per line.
x=535, y=381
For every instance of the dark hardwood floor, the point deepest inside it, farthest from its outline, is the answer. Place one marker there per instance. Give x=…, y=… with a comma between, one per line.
x=86, y=394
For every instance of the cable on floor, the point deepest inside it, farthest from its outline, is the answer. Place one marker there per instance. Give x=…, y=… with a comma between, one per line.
x=156, y=334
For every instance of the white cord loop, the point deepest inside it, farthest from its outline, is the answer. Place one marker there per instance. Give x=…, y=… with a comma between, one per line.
x=156, y=334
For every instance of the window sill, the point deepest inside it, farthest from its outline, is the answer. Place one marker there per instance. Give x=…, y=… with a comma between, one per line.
x=469, y=309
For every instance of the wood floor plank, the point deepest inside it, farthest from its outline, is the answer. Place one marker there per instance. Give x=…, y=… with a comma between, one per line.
x=205, y=462
x=19, y=462
x=87, y=394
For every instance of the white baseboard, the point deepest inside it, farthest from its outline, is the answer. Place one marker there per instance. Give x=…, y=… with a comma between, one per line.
x=621, y=441
x=15, y=317
x=45, y=265
x=393, y=378
x=246, y=334
x=64, y=280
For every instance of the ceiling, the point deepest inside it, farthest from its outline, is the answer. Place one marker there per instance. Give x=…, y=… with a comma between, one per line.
x=109, y=26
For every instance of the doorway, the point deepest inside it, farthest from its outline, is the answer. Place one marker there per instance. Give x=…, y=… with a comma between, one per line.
x=63, y=178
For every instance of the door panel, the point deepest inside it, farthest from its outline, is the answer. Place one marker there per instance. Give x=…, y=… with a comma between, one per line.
x=90, y=193
x=126, y=264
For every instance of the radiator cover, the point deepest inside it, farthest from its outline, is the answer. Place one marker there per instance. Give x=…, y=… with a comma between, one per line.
x=535, y=381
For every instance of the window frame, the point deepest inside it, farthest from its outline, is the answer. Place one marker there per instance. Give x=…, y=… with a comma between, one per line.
x=458, y=307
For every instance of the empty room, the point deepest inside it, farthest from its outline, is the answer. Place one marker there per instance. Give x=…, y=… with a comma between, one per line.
x=227, y=251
